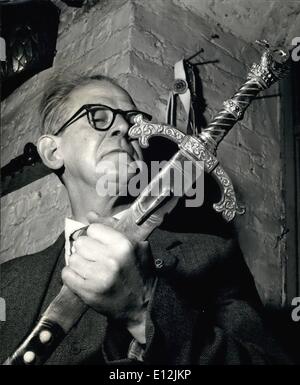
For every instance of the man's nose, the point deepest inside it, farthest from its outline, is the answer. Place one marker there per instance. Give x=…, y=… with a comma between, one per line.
x=120, y=127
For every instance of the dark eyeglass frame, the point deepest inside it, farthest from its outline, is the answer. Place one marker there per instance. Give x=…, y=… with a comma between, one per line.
x=86, y=109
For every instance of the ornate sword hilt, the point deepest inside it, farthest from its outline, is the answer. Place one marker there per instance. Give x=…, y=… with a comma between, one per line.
x=195, y=150
x=274, y=64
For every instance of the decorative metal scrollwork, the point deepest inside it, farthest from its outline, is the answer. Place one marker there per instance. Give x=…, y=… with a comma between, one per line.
x=144, y=130
x=228, y=205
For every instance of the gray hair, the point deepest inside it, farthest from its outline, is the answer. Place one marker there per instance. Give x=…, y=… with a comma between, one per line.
x=53, y=106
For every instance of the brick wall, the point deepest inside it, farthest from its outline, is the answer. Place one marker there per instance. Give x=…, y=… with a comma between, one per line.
x=137, y=42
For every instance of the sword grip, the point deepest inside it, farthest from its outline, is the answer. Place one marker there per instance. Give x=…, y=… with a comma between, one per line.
x=232, y=112
x=274, y=64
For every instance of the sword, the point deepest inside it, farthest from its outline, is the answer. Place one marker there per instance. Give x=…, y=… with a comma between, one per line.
x=148, y=210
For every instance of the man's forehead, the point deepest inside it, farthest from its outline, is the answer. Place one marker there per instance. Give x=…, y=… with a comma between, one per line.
x=100, y=92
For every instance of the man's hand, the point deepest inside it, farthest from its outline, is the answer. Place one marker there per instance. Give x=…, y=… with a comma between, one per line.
x=106, y=272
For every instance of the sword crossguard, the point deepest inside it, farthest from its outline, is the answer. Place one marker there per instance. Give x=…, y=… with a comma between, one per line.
x=143, y=130
x=195, y=149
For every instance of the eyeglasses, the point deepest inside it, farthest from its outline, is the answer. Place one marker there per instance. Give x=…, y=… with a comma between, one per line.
x=102, y=117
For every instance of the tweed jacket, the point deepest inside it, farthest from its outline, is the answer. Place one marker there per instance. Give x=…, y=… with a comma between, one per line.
x=204, y=310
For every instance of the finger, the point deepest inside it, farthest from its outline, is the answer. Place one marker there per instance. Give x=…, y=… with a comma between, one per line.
x=74, y=281
x=87, y=268
x=94, y=217
x=98, y=278
x=90, y=248
x=77, y=284
x=81, y=266
x=107, y=235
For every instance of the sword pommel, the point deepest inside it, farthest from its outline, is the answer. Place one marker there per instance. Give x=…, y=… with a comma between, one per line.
x=273, y=66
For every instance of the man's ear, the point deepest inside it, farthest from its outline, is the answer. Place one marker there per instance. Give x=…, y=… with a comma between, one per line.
x=49, y=150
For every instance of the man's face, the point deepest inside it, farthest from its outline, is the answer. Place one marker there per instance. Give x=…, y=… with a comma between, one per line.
x=89, y=154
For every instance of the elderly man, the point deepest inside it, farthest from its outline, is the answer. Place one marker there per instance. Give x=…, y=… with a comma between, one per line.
x=197, y=306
